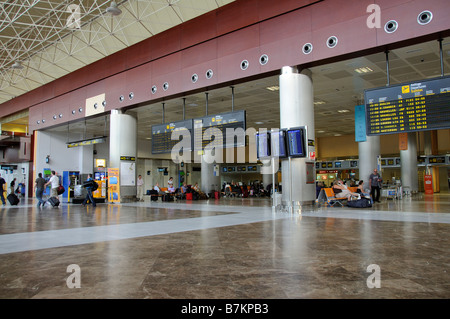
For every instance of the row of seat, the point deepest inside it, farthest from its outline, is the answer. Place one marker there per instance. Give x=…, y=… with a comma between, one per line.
x=328, y=196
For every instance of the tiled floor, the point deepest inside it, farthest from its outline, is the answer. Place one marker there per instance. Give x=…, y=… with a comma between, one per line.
x=227, y=248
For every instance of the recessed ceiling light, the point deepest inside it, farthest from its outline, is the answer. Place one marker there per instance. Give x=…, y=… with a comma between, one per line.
x=259, y=123
x=343, y=111
x=413, y=51
x=273, y=88
x=319, y=102
x=362, y=70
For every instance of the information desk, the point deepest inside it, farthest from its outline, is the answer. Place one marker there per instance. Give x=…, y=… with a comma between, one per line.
x=417, y=106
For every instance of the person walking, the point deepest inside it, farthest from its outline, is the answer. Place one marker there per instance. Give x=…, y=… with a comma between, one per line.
x=2, y=190
x=54, y=181
x=40, y=182
x=140, y=188
x=13, y=185
x=89, y=196
x=375, y=185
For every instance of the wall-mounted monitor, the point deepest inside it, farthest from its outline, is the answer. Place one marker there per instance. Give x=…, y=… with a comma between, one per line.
x=278, y=143
x=262, y=145
x=296, y=142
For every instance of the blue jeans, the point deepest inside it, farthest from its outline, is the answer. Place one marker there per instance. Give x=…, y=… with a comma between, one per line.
x=89, y=197
x=39, y=193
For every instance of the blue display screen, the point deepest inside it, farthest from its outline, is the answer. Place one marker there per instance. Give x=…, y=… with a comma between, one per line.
x=296, y=142
x=278, y=144
x=262, y=145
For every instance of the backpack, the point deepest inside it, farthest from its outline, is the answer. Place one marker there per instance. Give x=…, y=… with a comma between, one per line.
x=94, y=186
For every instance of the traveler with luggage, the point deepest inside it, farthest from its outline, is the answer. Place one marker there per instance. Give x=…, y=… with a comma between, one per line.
x=54, y=184
x=89, y=184
x=2, y=182
x=12, y=185
x=40, y=182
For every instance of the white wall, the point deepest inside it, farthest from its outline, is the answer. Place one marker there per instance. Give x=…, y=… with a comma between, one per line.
x=62, y=158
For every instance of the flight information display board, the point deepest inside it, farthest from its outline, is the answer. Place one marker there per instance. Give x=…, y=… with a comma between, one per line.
x=224, y=126
x=417, y=106
x=162, y=136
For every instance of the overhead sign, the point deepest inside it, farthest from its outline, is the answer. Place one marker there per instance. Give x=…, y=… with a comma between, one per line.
x=91, y=141
x=162, y=136
x=410, y=107
x=220, y=130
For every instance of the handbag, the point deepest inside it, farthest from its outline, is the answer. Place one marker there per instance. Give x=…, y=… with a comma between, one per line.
x=61, y=190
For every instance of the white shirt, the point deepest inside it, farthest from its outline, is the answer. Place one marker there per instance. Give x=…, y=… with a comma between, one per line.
x=140, y=182
x=54, y=181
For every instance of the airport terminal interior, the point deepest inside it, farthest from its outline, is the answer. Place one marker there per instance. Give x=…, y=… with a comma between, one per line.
x=224, y=245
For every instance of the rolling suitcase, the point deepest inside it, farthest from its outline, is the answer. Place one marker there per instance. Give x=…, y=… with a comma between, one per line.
x=13, y=199
x=53, y=201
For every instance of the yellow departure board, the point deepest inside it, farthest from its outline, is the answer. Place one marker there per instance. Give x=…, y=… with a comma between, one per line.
x=410, y=107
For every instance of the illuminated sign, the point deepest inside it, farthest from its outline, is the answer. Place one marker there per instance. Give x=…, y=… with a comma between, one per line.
x=411, y=107
x=91, y=141
x=100, y=162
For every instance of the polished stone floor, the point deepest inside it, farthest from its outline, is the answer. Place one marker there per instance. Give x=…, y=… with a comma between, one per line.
x=226, y=249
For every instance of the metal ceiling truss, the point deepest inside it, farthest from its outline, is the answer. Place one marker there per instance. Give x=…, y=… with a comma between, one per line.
x=51, y=38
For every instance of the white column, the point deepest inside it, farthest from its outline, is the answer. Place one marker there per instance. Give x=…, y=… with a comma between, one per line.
x=210, y=174
x=296, y=109
x=122, y=142
x=368, y=153
x=409, y=170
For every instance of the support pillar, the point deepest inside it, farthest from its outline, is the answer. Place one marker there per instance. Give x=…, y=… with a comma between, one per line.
x=297, y=109
x=210, y=174
x=369, y=151
x=409, y=170
x=123, y=143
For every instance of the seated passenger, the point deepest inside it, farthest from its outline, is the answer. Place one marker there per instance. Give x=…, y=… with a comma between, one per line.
x=360, y=190
x=156, y=188
x=341, y=191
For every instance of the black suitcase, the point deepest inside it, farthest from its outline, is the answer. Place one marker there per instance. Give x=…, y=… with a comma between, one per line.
x=154, y=198
x=53, y=201
x=167, y=198
x=13, y=199
x=360, y=203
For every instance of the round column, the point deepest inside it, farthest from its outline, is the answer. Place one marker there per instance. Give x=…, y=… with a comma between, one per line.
x=368, y=153
x=297, y=109
x=210, y=174
x=409, y=170
x=123, y=144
